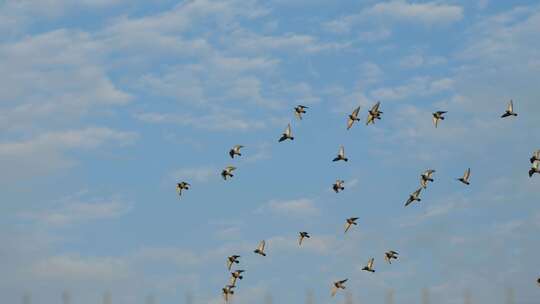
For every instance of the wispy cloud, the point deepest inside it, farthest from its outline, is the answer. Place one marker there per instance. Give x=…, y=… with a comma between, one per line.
x=296, y=207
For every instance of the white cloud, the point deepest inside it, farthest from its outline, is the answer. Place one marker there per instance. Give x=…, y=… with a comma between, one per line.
x=199, y=174
x=431, y=13
x=213, y=121
x=420, y=60
x=296, y=207
x=419, y=86
x=75, y=267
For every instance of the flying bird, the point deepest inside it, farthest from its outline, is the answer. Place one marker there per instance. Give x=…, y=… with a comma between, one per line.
x=538, y=281
x=349, y=222
x=338, y=285
x=260, y=248
x=353, y=117
x=227, y=292
x=341, y=154
x=465, y=178
x=299, y=110
x=438, y=116
x=303, y=235
x=369, y=266
x=415, y=196
x=374, y=113
x=509, y=110
x=389, y=255
x=287, y=134
x=236, y=275
x=231, y=260
x=182, y=186
x=338, y=185
x=534, y=168
x=227, y=172
x=535, y=156
x=235, y=151
x=426, y=177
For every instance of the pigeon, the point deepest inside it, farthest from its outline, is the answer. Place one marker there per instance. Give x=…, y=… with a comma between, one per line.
x=338, y=186
x=303, y=235
x=287, y=134
x=299, y=110
x=182, y=186
x=438, y=116
x=353, y=117
x=389, y=255
x=260, y=248
x=231, y=260
x=535, y=156
x=415, y=196
x=509, y=110
x=227, y=292
x=227, y=172
x=338, y=285
x=341, y=155
x=534, y=169
x=235, y=151
x=465, y=178
x=369, y=266
x=374, y=113
x=349, y=222
x=236, y=275
x=538, y=281
x=426, y=177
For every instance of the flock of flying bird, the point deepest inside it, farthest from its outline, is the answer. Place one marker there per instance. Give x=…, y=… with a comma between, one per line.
x=373, y=114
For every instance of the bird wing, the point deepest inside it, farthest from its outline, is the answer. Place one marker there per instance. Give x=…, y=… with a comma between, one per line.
x=341, y=151
x=262, y=244
x=297, y=114
x=467, y=174
x=230, y=168
x=370, y=263
x=229, y=264
x=347, y=226
x=370, y=118
x=356, y=111
x=334, y=290
x=343, y=281
x=423, y=182
x=288, y=130
x=350, y=122
x=435, y=121
x=375, y=108
x=178, y=190
x=535, y=165
x=417, y=192
x=537, y=154
x=511, y=107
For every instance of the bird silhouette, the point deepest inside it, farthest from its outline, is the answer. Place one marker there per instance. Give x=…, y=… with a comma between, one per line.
x=303, y=235
x=182, y=186
x=369, y=266
x=534, y=168
x=509, y=110
x=415, y=196
x=338, y=185
x=437, y=116
x=233, y=259
x=260, y=248
x=341, y=154
x=426, y=177
x=389, y=255
x=466, y=176
x=353, y=117
x=299, y=110
x=235, y=151
x=227, y=172
x=287, y=134
x=374, y=113
x=338, y=285
x=349, y=222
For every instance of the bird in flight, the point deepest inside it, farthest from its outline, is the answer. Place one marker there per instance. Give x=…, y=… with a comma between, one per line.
x=227, y=172
x=374, y=113
x=341, y=154
x=338, y=185
x=182, y=186
x=235, y=151
x=438, y=116
x=299, y=110
x=465, y=178
x=535, y=156
x=231, y=260
x=353, y=117
x=426, y=177
x=349, y=222
x=415, y=196
x=389, y=255
x=227, y=292
x=236, y=275
x=338, y=285
x=287, y=134
x=260, y=248
x=369, y=266
x=534, y=168
x=538, y=281
x=509, y=110
x=303, y=235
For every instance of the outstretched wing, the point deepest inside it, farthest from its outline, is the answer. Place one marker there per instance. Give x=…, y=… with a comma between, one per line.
x=435, y=121
x=334, y=290
x=347, y=227
x=297, y=114
x=467, y=174
x=510, y=108
x=288, y=130
x=350, y=122
x=341, y=151
x=356, y=111
x=370, y=263
x=375, y=108
x=262, y=244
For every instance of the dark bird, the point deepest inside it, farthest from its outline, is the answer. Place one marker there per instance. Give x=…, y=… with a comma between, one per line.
x=438, y=116
x=389, y=255
x=535, y=156
x=227, y=172
x=303, y=235
x=349, y=222
x=466, y=176
x=374, y=113
x=235, y=151
x=182, y=186
x=538, y=281
x=415, y=196
x=369, y=266
x=534, y=168
x=287, y=134
x=353, y=117
x=236, y=275
x=260, y=248
x=509, y=110
x=227, y=292
x=341, y=154
x=426, y=177
x=299, y=110
x=338, y=185
x=338, y=285
x=231, y=260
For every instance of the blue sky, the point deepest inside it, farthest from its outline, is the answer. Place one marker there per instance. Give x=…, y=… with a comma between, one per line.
x=107, y=104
